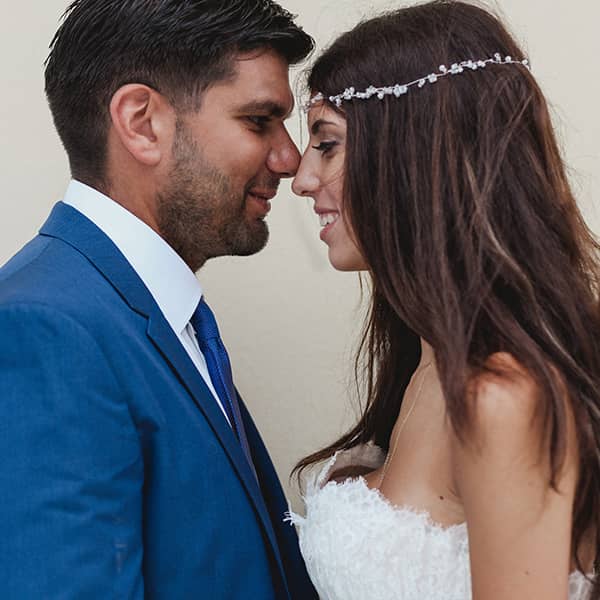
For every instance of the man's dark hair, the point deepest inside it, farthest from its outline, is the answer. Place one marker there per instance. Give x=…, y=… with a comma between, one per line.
x=178, y=47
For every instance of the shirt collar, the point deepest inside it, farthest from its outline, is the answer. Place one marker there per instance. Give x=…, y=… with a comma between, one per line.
x=171, y=282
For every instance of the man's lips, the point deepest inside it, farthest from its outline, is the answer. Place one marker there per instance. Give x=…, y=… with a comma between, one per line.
x=263, y=194
x=262, y=199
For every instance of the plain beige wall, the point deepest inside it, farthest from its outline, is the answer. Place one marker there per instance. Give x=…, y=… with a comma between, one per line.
x=289, y=320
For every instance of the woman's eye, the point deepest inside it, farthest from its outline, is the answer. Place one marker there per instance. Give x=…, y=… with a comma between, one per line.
x=325, y=147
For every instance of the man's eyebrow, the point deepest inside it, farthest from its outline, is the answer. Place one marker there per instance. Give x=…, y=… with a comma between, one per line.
x=271, y=108
x=318, y=124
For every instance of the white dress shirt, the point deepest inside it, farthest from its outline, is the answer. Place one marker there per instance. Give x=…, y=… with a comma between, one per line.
x=169, y=280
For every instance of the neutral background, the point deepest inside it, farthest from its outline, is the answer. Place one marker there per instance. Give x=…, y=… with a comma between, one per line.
x=289, y=320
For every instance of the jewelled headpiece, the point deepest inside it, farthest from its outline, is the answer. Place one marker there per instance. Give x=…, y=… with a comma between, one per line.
x=399, y=89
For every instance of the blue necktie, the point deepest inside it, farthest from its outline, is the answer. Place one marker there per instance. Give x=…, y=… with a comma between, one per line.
x=219, y=368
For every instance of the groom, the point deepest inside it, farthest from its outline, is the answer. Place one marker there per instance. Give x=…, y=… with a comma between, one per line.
x=129, y=466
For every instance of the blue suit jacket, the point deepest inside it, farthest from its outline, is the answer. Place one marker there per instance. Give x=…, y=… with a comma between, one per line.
x=119, y=476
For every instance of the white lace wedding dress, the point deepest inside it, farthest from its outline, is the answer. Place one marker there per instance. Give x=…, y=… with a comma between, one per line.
x=357, y=546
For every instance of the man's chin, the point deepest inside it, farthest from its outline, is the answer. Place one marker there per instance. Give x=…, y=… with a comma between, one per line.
x=252, y=240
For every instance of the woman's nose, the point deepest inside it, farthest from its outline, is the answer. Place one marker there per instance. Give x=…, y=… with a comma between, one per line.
x=305, y=183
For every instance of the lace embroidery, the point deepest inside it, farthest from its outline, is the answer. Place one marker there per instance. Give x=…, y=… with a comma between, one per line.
x=358, y=545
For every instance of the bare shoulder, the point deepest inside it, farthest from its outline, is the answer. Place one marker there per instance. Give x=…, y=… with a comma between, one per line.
x=519, y=523
x=503, y=401
x=506, y=430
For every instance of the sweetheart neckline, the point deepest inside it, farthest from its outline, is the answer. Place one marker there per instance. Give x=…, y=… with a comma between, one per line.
x=411, y=511
x=399, y=508
x=342, y=514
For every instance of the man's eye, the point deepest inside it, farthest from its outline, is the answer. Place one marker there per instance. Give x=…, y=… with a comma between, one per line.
x=259, y=121
x=325, y=147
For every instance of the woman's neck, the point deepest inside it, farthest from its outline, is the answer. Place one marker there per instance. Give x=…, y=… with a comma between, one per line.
x=427, y=354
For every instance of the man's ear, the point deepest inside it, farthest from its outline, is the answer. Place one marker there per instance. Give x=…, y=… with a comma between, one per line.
x=144, y=121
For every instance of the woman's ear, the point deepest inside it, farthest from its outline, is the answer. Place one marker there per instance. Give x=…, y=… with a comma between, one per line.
x=144, y=122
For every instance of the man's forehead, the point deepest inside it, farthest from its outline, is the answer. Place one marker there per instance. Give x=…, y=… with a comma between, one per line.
x=259, y=82
x=266, y=64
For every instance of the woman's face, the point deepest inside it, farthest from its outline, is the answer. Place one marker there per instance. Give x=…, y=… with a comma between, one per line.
x=321, y=177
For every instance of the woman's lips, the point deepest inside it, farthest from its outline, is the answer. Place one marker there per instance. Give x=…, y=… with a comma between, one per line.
x=327, y=220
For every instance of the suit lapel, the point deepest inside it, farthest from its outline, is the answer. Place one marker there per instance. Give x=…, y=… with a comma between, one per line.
x=297, y=578
x=72, y=227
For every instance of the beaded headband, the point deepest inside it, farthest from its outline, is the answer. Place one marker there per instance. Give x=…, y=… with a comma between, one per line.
x=398, y=89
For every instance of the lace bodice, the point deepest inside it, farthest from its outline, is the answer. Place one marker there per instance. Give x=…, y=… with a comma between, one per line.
x=357, y=545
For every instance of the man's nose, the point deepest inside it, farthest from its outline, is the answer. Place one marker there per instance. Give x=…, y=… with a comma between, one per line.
x=284, y=157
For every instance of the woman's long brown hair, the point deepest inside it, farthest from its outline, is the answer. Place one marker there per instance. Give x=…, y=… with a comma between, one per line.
x=459, y=200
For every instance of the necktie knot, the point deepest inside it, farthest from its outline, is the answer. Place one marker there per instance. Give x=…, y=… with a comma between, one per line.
x=204, y=323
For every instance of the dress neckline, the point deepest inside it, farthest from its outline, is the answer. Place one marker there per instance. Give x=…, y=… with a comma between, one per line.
x=374, y=453
x=407, y=509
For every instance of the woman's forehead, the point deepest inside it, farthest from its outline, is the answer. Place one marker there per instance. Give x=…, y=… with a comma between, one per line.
x=321, y=114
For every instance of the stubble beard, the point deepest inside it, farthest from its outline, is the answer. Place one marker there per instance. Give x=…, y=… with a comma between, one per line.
x=200, y=214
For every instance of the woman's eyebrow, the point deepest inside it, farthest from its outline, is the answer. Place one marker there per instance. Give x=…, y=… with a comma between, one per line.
x=318, y=124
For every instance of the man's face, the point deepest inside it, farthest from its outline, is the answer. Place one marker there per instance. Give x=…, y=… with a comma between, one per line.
x=227, y=160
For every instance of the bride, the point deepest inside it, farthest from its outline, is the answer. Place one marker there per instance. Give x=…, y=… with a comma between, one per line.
x=474, y=471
